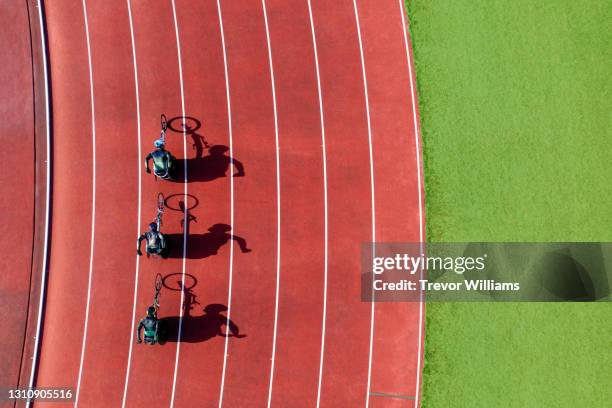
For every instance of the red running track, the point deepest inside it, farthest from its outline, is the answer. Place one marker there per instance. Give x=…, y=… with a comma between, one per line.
x=17, y=179
x=315, y=100
x=24, y=179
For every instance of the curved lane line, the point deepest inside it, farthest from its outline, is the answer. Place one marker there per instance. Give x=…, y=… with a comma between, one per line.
x=367, y=106
x=185, y=221
x=129, y=362
x=278, y=219
x=419, y=181
x=316, y=56
x=43, y=283
x=93, y=208
x=231, y=265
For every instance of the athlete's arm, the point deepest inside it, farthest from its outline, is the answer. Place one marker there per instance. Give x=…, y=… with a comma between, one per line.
x=140, y=239
x=149, y=157
x=139, y=329
x=170, y=158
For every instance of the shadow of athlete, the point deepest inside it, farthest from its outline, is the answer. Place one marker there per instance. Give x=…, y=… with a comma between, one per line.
x=199, y=143
x=189, y=218
x=207, y=244
x=189, y=300
x=210, y=167
x=196, y=329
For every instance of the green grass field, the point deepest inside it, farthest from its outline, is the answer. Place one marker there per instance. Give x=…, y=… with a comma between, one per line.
x=516, y=111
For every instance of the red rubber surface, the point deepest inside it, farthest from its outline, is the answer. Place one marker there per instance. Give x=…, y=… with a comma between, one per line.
x=105, y=285
x=17, y=180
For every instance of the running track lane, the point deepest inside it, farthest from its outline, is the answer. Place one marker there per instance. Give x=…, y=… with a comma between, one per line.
x=150, y=379
x=209, y=253
x=66, y=301
x=117, y=198
x=17, y=179
x=302, y=258
x=300, y=309
x=254, y=283
x=111, y=286
x=345, y=362
x=395, y=355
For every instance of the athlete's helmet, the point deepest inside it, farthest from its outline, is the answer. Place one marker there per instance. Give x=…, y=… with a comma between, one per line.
x=151, y=311
x=153, y=226
x=159, y=143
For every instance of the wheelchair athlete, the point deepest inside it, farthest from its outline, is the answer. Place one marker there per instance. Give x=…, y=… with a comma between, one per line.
x=164, y=163
x=151, y=325
x=155, y=241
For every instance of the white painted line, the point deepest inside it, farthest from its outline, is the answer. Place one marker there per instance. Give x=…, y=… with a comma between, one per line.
x=419, y=184
x=93, y=205
x=323, y=323
x=43, y=283
x=136, y=274
x=231, y=265
x=278, y=218
x=367, y=105
x=186, y=221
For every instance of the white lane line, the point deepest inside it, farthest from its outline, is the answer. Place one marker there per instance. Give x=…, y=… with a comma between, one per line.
x=278, y=219
x=185, y=219
x=323, y=324
x=93, y=205
x=419, y=175
x=129, y=362
x=231, y=265
x=43, y=282
x=367, y=106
